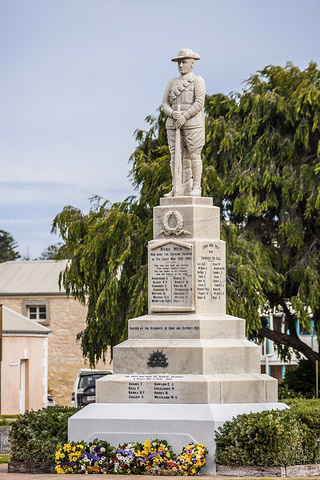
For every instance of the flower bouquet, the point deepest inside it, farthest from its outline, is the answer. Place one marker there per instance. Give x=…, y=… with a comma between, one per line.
x=167, y=468
x=153, y=455
x=67, y=457
x=124, y=459
x=191, y=459
x=96, y=457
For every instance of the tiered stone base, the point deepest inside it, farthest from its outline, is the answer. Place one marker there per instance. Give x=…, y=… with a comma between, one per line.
x=195, y=389
x=178, y=424
x=205, y=359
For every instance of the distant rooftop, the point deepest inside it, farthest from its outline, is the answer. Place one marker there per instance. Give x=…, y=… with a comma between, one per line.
x=31, y=278
x=13, y=322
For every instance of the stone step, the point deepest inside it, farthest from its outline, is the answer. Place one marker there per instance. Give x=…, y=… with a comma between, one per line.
x=186, y=356
x=186, y=389
x=186, y=326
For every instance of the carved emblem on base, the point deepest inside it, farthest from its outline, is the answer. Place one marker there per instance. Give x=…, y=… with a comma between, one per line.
x=157, y=359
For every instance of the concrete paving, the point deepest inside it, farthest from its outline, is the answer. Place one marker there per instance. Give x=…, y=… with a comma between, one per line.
x=4, y=475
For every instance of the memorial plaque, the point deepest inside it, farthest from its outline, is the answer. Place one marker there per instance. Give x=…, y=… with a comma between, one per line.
x=211, y=273
x=171, y=279
x=160, y=388
x=135, y=391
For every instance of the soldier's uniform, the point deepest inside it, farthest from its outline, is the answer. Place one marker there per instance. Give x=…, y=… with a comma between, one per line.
x=187, y=93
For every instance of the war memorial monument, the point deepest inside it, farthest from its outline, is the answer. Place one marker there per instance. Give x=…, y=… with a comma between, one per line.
x=186, y=367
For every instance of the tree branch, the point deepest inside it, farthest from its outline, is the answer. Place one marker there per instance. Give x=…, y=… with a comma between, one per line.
x=291, y=341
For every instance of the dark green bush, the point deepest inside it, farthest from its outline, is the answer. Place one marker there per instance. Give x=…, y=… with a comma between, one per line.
x=272, y=438
x=299, y=382
x=269, y=438
x=35, y=435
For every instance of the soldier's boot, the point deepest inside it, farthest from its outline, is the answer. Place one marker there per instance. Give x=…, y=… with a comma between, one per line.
x=186, y=177
x=197, y=174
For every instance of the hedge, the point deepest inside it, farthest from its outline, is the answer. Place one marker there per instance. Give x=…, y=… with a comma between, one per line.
x=35, y=435
x=272, y=438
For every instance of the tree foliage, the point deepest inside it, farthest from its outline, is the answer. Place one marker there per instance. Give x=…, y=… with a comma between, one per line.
x=299, y=382
x=54, y=252
x=108, y=270
x=261, y=166
x=263, y=169
x=8, y=247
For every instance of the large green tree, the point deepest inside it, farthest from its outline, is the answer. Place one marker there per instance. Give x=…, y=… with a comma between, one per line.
x=262, y=168
x=8, y=247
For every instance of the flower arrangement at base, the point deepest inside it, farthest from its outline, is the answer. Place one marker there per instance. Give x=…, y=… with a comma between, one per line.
x=67, y=457
x=153, y=454
x=96, y=457
x=124, y=459
x=153, y=457
x=166, y=468
x=191, y=459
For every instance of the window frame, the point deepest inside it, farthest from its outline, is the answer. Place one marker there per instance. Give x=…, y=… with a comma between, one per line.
x=36, y=303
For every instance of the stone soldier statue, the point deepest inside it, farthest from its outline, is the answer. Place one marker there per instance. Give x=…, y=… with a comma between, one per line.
x=183, y=104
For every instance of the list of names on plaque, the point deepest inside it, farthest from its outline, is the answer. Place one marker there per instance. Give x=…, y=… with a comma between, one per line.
x=171, y=277
x=161, y=387
x=135, y=390
x=164, y=391
x=211, y=273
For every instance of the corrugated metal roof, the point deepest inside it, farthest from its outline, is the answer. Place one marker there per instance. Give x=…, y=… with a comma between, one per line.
x=13, y=322
x=31, y=278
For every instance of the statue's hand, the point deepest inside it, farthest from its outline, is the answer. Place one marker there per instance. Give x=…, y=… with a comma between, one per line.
x=176, y=115
x=180, y=121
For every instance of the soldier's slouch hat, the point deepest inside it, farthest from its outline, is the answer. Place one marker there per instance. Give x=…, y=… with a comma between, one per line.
x=186, y=53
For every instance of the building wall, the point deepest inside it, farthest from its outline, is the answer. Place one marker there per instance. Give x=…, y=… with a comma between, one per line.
x=28, y=353
x=67, y=317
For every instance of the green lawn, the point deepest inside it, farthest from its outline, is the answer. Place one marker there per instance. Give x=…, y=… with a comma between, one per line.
x=4, y=458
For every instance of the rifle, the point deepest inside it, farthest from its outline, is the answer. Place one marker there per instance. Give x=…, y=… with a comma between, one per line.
x=177, y=162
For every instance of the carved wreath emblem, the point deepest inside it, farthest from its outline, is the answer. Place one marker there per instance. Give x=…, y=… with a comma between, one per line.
x=157, y=359
x=172, y=224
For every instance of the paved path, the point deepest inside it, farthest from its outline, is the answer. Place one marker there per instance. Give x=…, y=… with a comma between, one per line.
x=4, y=475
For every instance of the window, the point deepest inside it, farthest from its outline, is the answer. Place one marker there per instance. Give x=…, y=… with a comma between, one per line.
x=277, y=323
x=37, y=310
x=304, y=330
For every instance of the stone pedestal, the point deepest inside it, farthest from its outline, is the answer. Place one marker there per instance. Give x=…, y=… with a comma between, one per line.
x=187, y=350
x=186, y=358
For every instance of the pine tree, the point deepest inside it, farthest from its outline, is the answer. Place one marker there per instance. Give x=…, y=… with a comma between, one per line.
x=8, y=247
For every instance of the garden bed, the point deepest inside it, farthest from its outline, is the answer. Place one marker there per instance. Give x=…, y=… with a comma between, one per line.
x=30, y=467
x=290, y=471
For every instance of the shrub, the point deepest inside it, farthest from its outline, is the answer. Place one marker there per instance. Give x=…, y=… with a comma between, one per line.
x=6, y=422
x=269, y=438
x=299, y=382
x=35, y=435
x=308, y=412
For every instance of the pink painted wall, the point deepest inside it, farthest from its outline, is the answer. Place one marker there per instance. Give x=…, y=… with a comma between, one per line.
x=15, y=350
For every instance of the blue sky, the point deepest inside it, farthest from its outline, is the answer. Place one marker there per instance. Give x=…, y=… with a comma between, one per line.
x=78, y=77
